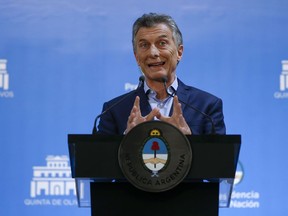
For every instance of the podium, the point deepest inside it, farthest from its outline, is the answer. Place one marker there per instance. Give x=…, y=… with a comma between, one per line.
x=101, y=185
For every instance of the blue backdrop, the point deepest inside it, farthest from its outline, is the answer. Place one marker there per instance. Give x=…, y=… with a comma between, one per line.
x=60, y=60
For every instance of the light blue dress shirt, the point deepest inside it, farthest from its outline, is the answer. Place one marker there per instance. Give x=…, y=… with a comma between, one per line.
x=163, y=105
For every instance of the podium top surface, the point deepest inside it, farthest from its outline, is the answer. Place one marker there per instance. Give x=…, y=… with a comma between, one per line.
x=95, y=158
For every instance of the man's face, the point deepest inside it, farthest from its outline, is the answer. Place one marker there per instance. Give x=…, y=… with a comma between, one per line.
x=156, y=52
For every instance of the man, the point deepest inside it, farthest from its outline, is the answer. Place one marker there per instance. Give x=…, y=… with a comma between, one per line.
x=158, y=48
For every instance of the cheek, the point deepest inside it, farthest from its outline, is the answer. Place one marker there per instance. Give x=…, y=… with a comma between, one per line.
x=173, y=55
x=172, y=51
x=139, y=58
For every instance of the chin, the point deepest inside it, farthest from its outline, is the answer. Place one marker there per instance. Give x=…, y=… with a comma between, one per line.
x=158, y=75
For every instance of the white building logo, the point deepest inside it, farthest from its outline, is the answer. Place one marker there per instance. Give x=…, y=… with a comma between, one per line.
x=4, y=80
x=284, y=76
x=4, y=76
x=53, y=179
x=53, y=182
x=283, y=82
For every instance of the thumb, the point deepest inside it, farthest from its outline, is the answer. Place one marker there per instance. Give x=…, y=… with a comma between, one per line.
x=162, y=117
x=152, y=114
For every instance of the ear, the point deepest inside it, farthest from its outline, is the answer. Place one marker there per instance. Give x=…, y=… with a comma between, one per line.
x=180, y=52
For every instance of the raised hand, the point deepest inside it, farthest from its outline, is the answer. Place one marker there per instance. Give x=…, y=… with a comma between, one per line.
x=136, y=118
x=177, y=118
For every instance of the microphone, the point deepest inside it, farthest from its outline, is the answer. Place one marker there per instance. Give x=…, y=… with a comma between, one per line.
x=164, y=80
x=141, y=81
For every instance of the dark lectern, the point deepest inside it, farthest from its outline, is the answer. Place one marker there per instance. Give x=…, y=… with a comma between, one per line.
x=102, y=186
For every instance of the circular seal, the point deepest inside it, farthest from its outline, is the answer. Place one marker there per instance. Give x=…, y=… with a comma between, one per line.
x=155, y=156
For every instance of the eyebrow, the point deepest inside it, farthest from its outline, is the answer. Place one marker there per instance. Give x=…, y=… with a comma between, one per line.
x=160, y=37
x=163, y=36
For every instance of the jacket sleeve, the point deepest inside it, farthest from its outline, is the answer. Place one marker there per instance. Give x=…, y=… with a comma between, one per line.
x=216, y=113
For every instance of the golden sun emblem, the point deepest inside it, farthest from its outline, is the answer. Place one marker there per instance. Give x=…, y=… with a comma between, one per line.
x=155, y=132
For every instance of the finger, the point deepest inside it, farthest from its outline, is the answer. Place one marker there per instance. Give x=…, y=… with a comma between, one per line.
x=134, y=115
x=163, y=118
x=136, y=108
x=154, y=113
x=184, y=126
x=131, y=117
x=137, y=102
x=135, y=105
x=177, y=106
x=159, y=115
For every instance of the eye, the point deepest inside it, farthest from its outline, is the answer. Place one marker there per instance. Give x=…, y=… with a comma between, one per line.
x=143, y=45
x=162, y=43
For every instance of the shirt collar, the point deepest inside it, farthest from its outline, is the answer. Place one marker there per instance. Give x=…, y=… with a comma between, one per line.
x=171, y=89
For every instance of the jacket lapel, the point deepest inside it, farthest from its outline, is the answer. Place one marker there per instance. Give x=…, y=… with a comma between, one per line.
x=144, y=104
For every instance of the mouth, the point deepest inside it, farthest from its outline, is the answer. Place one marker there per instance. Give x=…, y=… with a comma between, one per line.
x=156, y=64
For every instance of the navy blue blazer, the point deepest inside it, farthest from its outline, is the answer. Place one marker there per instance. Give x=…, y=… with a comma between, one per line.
x=114, y=121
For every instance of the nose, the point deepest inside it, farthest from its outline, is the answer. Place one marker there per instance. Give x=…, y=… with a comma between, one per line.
x=154, y=51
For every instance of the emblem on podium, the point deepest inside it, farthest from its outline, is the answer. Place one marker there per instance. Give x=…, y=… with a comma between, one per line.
x=155, y=156
x=155, y=152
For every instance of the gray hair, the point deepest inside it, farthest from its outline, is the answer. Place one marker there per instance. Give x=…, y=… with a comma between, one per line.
x=152, y=19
